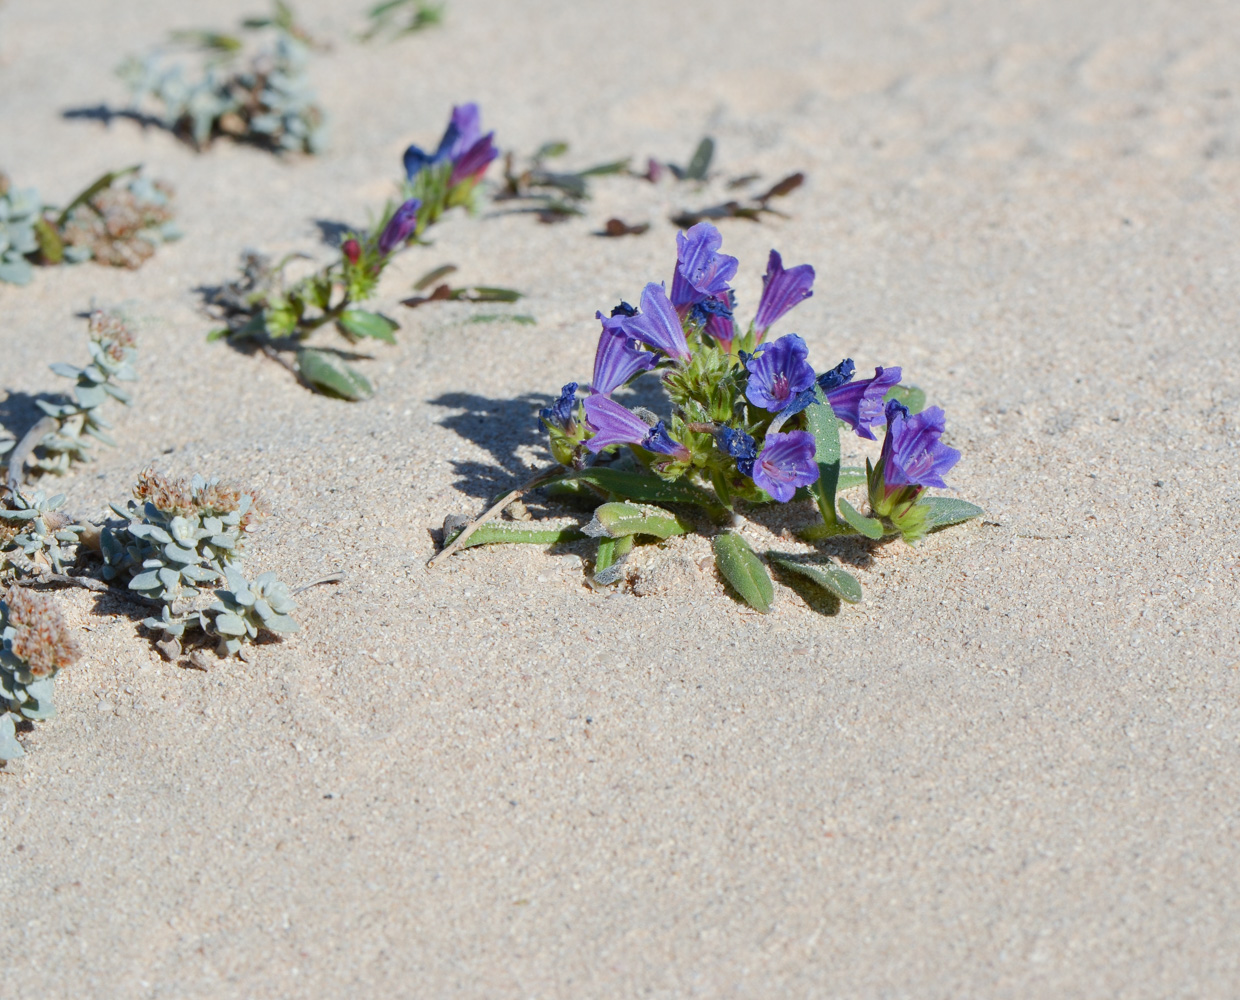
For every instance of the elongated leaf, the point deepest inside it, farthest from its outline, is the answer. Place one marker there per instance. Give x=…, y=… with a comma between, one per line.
x=496, y=532
x=327, y=373
x=820, y=419
x=850, y=475
x=946, y=511
x=840, y=583
x=602, y=169
x=700, y=164
x=628, y=485
x=430, y=277
x=910, y=395
x=484, y=293
x=106, y=181
x=744, y=571
x=871, y=527
x=361, y=323
x=615, y=520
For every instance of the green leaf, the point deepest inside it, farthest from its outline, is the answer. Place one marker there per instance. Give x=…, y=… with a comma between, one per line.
x=484, y=293
x=627, y=485
x=910, y=395
x=226, y=623
x=700, y=164
x=496, y=532
x=871, y=527
x=430, y=277
x=609, y=563
x=744, y=570
x=104, y=182
x=820, y=419
x=602, y=169
x=616, y=520
x=946, y=511
x=10, y=749
x=327, y=373
x=360, y=323
x=840, y=583
x=850, y=475
x=145, y=581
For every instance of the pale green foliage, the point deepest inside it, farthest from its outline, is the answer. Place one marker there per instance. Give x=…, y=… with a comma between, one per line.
x=20, y=211
x=35, y=527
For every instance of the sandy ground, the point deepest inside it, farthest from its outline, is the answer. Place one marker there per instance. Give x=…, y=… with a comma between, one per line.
x=1011, y=772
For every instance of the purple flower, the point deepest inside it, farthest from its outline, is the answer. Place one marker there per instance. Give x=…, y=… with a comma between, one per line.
x=912, y=453
x=837, y=376
x=658, y=440
x=786, y=462
x=400, y=226
x=463, y=144
x=657, y=325
x=781, y=290
x=740, y=446
x=618, y=358
x=778, y=373
x=614, y=424
x=701, y=271
x=561, y=413
x=860, y=404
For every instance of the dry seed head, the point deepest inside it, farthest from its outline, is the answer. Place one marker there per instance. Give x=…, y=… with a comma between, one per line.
x=172, y=496
x=109, y=329
x=42, y=640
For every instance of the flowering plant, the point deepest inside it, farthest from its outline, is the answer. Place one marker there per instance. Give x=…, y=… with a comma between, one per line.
x=263, y=310
x=751, y=422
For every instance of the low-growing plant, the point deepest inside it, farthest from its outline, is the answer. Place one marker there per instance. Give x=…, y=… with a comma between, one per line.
x=394, y=18
x=35, y=644
x=260, y=96
x=64, y=435
x=264, y=310
x=552, y=195
x=120, y=219
x=751, y=422
x=178, y=540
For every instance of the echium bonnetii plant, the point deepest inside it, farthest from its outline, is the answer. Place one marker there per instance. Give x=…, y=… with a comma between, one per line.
x=65, y=432
x=120, y=219
x=267, y=101
x=751, y=422
x=35, y=643
x=178, y=540
x=279, y=317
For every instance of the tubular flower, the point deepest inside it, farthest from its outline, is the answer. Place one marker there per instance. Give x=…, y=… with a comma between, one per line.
x=912, y=453
x=860, y=404
x=618, y=359
x=702, y=272
x=782, y=289
x=615, y=424
x=463, y=144
x=657, y=325
x=786, y=462
x=778, y=373
x=400, y=226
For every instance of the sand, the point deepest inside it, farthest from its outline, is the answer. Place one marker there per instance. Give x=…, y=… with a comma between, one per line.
x=1011, y=772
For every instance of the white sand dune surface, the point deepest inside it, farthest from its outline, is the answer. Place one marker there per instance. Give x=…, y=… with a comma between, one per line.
x=1012, y=771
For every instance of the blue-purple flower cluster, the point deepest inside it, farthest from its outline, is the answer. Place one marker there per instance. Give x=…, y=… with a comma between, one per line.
x=447, y=177
x=738, y=418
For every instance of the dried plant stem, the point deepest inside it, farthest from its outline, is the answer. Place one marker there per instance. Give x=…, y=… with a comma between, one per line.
x=334, y=578
x=25, y=447
x=474, y=525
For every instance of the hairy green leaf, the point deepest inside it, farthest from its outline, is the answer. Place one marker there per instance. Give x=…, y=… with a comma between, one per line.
x=744, y=570
x=871, y=527
x=946, y=511
x=840, y=583
x=327, y=373
x=910, y=395
x=495, y=532
x=615, y=520
x=361, y=323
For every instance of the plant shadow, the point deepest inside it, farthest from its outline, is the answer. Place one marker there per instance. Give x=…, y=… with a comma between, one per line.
x=332, y=232
x=502, y=428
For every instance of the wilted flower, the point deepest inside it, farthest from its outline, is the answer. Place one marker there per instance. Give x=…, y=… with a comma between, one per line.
x=561, y=413
x=41, y=637
x=740, y=446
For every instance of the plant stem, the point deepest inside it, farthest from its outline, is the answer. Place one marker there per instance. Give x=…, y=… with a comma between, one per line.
x=22, y=452
x=538, y=480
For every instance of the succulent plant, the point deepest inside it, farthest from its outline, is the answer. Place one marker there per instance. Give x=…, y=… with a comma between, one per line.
x=184, y=537
x=268, y=101
x=20, y=212
x=121, y=225
x=35, y=644
x=248, y=607
x=113, y=351
x=35, y=527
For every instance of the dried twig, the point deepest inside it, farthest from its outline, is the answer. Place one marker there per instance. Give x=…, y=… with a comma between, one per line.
x=542, y=477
